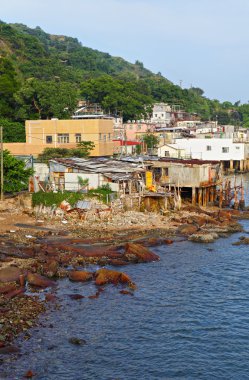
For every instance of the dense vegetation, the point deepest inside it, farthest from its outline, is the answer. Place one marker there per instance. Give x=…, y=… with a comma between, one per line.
x=16, y=176
x=43, y=76
x=102, y=193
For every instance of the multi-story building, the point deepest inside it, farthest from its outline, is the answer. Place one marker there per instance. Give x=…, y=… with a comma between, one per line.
x=54, y=133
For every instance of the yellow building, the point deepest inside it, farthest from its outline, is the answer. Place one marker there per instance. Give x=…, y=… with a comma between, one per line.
x=54, y=133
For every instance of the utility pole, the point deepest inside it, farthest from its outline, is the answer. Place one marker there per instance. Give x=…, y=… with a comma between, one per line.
x=1, y=142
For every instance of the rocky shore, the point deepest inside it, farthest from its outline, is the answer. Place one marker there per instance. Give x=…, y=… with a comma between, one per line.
x=35, y=254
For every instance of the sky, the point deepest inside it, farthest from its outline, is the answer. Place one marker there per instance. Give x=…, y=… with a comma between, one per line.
x=199, y=43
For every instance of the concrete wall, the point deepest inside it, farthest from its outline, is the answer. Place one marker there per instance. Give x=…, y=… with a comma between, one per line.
x=71, y=180
x=41, y=171
x=99, y=131
x=188, y=176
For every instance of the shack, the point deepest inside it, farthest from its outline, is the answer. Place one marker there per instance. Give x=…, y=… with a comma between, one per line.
x=122, y=177
x=194, y=179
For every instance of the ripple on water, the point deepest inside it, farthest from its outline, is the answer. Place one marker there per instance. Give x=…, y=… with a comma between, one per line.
x=187, y=320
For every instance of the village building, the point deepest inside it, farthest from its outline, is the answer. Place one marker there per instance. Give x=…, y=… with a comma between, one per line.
x=55, y=133
x=233, y=156
x=193, y=179
x=125, y=147
x=121, y=176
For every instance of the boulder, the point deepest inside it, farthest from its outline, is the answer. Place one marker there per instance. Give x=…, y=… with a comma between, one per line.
x=168, y=241
x=50, y=268
x=7, y=288
x=81, y=276
x=38, y=280
x=106, y=276
x=204, y=238
x=138, y=253
x=9, y=274
x=15, y=293
x=187, y=229
x=50, y=297
x=224, y=215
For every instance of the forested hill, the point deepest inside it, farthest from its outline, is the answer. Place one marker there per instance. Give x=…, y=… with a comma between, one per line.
x=44, y=76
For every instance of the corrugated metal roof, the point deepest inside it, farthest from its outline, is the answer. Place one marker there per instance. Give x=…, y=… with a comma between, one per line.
x=115, y=169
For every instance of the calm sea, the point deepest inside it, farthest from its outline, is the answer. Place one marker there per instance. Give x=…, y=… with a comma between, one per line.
x=189, y=319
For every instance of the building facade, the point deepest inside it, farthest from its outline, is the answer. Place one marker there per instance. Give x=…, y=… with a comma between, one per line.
x=54, y=133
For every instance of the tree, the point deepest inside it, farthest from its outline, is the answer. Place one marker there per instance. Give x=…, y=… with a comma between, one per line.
x=151, y=140
x=12, y=131
x=83, y=149
x=46, y=99
x=16, y=176
x=198, y=91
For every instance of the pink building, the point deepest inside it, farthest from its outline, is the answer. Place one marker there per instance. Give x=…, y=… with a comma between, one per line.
x=133, y=131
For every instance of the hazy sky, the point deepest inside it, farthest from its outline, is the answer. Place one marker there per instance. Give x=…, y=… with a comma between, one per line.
x=203, y=43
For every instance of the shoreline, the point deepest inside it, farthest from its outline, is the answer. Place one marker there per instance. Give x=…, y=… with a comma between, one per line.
x=33, y=257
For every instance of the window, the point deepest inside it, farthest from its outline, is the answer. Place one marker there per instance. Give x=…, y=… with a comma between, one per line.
x=225, y=149
x=109, y=136
x=155, y=114
x=209, y=147
x=100, y=136
x=166, y=153
x=49, y=139
x=63, y=138
x=78, y=137
x=237, y=147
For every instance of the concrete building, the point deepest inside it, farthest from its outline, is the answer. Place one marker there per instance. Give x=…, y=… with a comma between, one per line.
x=54, y=133
x=234, y=156
x=161, y=113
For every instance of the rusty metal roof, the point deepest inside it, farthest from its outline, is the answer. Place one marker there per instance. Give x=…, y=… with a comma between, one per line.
x=189, y=161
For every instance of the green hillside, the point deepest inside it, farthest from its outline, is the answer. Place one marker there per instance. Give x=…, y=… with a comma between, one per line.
x=43, y=76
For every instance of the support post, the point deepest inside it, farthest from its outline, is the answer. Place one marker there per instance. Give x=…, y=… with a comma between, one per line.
x=221, y=197
x=205, y=197
x=193, y=196
x=241, y=166
x=211, y=196
x=200, y=196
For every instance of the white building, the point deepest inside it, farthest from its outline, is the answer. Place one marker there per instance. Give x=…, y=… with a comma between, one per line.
x=233, y=155
x=161, y=113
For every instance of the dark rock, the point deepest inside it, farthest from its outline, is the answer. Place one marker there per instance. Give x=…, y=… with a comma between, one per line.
x=77, y=341
x=15, y=293
x=76, y=296
x=107, y=276
x=38, y=280
x=9, y=350
x=10, y=274
x=80, y=276
x=126, y=292
x=50, y=268
x=50, y=297
x=29, y=374
x=138, y=253
x=187, y=229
